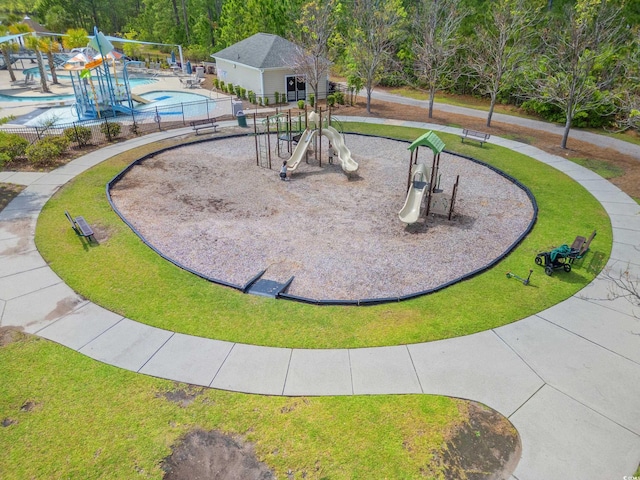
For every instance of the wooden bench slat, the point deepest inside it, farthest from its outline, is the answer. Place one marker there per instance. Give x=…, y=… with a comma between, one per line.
x=204, y=123
x=474, y=135
x=80, y=226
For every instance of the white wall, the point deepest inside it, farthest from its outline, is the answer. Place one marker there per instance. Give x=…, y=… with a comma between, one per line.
x=246, y=77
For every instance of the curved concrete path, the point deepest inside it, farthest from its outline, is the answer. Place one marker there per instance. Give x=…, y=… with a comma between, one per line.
x=568, y=377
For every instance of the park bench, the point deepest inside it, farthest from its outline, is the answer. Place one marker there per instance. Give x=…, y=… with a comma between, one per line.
x=206, y=123
x=581, y=246
x=474, y=135
x=81, y=227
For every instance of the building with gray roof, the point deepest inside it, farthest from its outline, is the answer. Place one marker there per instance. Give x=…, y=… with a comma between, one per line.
x=263, y=63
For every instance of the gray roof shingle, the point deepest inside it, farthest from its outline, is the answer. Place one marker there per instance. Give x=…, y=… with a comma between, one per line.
x=261, y=50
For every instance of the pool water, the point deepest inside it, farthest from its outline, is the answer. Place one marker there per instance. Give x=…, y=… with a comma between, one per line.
x=133, y=82
x=63, y=115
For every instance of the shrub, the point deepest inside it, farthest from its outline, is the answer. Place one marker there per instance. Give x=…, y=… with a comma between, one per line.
x=110, y=130
x=312, y=100
x=79, y=134
x=301, y=104
x=221, y=84
x=237, y=89
x=331, y=100
x=339, y=96
x=266, y=101
x=47, y=150
x=216, y=83
x=252, y=96
x=276, y=99
x=12, y=146
x=230, y=88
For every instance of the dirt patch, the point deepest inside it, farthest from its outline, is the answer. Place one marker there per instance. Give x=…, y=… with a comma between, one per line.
x=6, y=422
x=28, y=406
x=486, y=447
x=203, y=455
x=8, y=191
x=10, y=335
x=182, y=395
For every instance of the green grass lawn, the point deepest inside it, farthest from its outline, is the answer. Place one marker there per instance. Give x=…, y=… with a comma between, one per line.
x=125, y=276
x=602, y=168
x=68, y=416
x=64, y=415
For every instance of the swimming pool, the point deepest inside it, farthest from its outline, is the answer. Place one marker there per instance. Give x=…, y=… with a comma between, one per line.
x=160, y=99
x=133, y=82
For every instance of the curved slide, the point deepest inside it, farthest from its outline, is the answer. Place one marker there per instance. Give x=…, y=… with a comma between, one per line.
x=349, y=165
x=411, y=210
x=140, y=99
x=301, y=149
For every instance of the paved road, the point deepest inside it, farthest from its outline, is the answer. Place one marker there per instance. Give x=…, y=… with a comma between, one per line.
x=601, y=140
x=568, y=377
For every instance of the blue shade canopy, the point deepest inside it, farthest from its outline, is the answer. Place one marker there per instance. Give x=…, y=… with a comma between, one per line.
x=11, y=37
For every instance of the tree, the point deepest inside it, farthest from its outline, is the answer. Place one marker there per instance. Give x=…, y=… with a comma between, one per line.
x=7, y=48
x=436, y=43
x=316, y=26
x=49, y=46
x=75, y=38
x=32, y=42
x=628, y=90
x=376, y=28
x=58, y=19
x=579, y=62
x=501, y=44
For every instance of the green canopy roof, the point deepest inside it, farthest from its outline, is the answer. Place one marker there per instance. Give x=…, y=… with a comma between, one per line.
x=430, y=140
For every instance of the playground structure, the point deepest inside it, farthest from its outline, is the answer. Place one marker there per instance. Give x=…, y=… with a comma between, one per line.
x=290, y=131
x=420, y=189
x=98, y=91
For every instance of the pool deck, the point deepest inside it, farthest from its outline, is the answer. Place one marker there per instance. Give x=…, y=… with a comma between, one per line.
x=165, y=82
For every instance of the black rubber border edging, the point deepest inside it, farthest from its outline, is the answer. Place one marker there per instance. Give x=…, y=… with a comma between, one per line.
x=312, y=301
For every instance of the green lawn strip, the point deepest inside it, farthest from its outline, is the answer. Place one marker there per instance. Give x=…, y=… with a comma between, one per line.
x=91, y=420
x=602, y=168
x=628, y=136
x=125, y=276
x=461, y=101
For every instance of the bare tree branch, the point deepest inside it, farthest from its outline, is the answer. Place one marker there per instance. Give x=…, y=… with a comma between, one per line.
x=502, y=42
x=579, y=62
x=436, y=43
x=375, y=31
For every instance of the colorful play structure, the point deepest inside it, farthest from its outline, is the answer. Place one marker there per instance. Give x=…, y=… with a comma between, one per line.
x=423, y=183
x=98, y=90
x=289, y=130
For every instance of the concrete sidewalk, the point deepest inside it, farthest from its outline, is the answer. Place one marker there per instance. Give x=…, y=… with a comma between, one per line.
x=568, y=377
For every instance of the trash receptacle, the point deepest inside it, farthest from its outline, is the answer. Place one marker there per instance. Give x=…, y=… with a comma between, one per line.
x=242, y=120
x=236, y=107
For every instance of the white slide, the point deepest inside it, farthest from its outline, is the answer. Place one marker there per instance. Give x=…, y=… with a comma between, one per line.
x=349, y=165
x=301, y=149
x=411, y=210
x=140, y=99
